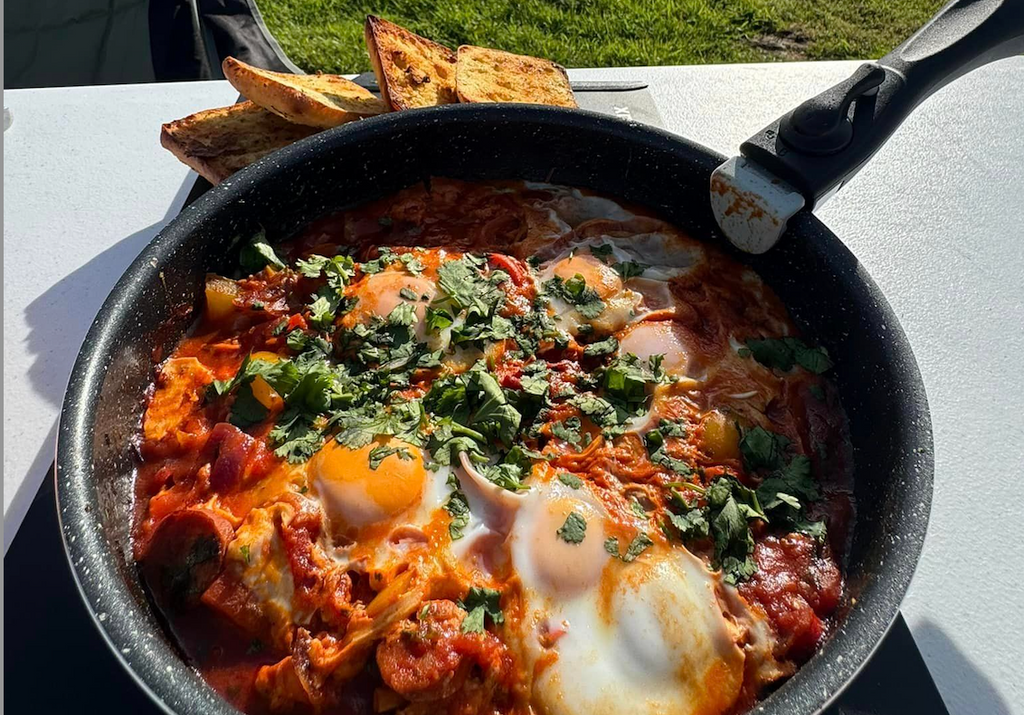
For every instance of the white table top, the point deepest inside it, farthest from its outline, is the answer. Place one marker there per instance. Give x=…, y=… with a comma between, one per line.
x=935, y=219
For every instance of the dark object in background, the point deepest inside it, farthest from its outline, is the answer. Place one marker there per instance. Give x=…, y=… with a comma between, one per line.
x=190, y=38
x=56, y=43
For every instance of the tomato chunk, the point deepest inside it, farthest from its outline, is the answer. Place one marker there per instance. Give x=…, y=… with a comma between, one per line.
x=798, y=585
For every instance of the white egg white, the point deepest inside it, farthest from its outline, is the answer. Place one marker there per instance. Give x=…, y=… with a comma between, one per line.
x=606, y=636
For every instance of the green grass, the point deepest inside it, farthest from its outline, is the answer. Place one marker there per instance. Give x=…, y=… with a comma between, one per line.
x=327, y=34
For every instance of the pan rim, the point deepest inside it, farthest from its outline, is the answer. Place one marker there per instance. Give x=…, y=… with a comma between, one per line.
x=170, y=681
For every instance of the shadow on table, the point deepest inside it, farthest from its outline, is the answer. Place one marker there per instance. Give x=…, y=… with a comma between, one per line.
x=973, y=692
x=59, y=318
x=58, y=321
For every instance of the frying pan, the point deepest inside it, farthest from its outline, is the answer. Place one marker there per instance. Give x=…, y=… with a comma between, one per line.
x=828, y=293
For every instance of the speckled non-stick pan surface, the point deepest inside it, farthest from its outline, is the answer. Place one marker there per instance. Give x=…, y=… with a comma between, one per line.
x=827, y=291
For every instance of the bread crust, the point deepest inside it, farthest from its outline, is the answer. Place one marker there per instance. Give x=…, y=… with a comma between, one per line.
x=317, y=100
x=412, y=71
x=218, y=142
x=487, y=75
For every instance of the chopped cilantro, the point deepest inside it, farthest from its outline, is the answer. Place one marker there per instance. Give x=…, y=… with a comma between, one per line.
x=783, y=353
x=295, y=438
x=672, y=428
x=637, y=546
x=568, y=430
x=257, y=254
x=570, y=480
x=246, y=410
x=629, y=269
x=576, y=292
x=474, y=621
x=601, y=251
x=608, y=346
x=481, y=604
x=627, y=377
x=412, y=264
x=458, y=508
x=244, y=551
x=656, y=450
x=468, y=288
x=438, y=320
x=382, y=452
x=574, y=530
x=762, y=449
x=692, y=524
x=385, y=257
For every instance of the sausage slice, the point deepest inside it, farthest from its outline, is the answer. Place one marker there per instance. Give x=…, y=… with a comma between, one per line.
x=185, y=555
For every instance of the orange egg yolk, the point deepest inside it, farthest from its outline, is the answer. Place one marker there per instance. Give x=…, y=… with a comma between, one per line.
x=662, y=337
x=601, y=278
x=380, y=293
x=355, y=495
x=567, y=568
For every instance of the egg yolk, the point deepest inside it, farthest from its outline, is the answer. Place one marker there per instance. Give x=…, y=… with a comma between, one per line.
x=662, y=337
x=564, y=567
x=380, y=293
x=355, y=495
x=601, y=278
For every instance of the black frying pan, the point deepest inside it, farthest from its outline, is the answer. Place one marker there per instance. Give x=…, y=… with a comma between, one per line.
x=828, y=293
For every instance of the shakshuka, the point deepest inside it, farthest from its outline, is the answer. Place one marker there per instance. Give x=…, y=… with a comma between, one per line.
x=493, y=448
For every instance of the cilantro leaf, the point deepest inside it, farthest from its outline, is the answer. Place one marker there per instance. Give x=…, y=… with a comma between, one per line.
x=474, y=621
x=311, y=267
x=637, y=546
x=247, y=410
x=295, y=438
x=783, y=353
x=608, y=346
x=627, y=378
x=437, y=320
x=385, y=257
x=601, y=251
x=574, y=530
x=380, y=453
x=487, y=598
x=412, y=264
x=656, y=450
x=466, y=286
x=257, y=254
x=576, y=293
x=570, y=480
x=629, y=269
x=789, y=485
x=494, y=416
x=672, y=428
x=692, y=524
x=762, y=449
x=568, y=430
x=457, y=507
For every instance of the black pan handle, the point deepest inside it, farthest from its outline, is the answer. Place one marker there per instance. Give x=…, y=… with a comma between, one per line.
x=822, y=143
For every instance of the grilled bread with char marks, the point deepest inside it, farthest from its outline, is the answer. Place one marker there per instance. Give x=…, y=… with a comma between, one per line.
x=486, y=75
x=412, y=71
x=316, y=100
x=218, y=142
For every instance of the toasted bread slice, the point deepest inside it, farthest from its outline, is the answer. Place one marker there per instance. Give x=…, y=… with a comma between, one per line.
x=412, y=71
x=219, y=142
x=317, y=100
x=486, y=75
